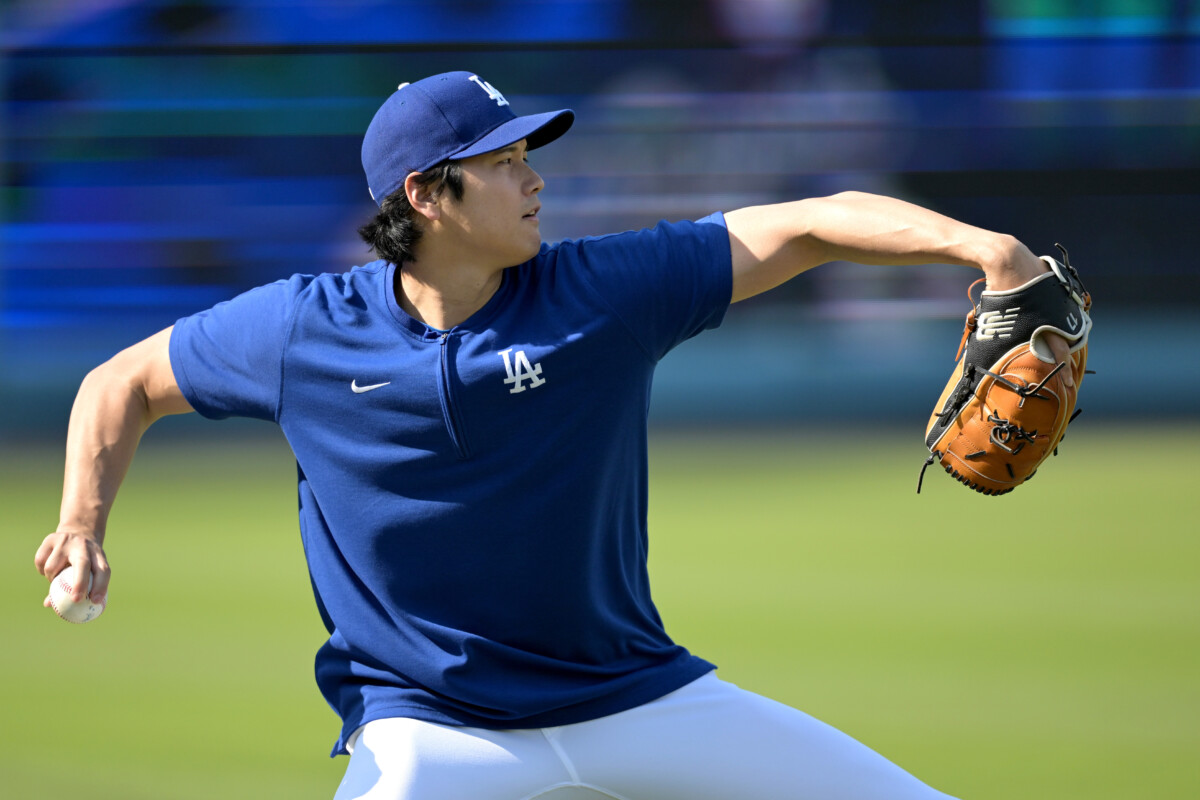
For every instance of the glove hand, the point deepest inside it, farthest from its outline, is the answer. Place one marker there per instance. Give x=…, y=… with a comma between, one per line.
x=1023, y=354
x=1015, y=269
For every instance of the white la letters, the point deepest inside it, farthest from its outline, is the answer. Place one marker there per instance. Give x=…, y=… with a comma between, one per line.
x=492, y=91
x=521, y=371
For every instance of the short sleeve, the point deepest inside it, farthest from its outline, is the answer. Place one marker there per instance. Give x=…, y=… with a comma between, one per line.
x=666, y=284
x=228, y=360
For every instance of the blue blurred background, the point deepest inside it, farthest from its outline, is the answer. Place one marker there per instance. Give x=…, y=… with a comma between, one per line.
x=158, y=157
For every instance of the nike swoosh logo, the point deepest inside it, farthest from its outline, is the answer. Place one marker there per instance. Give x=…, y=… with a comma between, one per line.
x=354, y=387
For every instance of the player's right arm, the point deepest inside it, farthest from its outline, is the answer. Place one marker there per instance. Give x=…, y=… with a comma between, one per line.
x=116, y=403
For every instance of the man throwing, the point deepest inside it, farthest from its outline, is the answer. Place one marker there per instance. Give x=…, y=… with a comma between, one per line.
x=469, y=373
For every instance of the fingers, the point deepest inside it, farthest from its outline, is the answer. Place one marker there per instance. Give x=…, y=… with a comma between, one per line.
x=95, y=567
x=101, y=574
x=1062, y=353
x=85, y=559
x=42, y=559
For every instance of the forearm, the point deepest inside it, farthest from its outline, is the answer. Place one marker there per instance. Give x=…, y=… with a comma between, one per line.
x=116, y=403
x=108, y=419
x=778, y=242
x=872, y=229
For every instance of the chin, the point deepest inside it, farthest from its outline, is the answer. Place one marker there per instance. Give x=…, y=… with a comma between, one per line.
x=531, y=250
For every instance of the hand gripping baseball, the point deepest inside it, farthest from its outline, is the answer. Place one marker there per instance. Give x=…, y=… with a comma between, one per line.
x=1009, y=399
x=76, y=563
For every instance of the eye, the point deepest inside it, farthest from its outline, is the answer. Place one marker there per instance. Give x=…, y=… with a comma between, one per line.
x=508, y=160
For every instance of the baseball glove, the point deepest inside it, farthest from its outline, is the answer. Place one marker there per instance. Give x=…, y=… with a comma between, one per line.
x=1006, y=408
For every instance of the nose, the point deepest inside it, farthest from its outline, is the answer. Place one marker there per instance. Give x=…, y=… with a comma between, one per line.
x=534, y=180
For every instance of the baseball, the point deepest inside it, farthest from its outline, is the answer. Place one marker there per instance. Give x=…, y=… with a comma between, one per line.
x=60, y=598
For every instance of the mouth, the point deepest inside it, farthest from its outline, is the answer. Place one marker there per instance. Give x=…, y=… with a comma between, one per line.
x=533, y=215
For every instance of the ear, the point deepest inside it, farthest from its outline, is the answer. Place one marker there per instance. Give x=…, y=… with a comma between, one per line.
x=423, y=199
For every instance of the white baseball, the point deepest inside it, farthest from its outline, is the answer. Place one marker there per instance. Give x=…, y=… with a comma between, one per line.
x=60, y=598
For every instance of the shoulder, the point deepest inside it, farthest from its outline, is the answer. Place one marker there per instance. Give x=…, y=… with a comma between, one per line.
x=328, y=287
x=351, y=300
x=279, y=303
x=356, y=279
x=701, y=231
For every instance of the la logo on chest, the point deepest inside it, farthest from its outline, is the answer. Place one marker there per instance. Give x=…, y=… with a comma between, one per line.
x=519, y=371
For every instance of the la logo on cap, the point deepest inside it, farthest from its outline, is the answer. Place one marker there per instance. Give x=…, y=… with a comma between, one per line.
x=492, y=91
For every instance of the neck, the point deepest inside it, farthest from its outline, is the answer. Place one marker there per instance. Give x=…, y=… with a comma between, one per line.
x=442, y=295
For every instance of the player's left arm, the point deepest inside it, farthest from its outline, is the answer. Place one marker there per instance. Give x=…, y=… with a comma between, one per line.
x=774, y=243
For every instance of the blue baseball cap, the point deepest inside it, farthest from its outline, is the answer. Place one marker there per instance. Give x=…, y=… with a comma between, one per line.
x=451, y=115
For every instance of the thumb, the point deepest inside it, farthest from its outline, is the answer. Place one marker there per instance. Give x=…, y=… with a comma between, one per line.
x=1062, y=355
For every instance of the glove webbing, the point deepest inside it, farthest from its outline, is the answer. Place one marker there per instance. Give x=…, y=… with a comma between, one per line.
x=1003, y=431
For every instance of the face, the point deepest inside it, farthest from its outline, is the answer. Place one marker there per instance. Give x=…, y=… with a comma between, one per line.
x=496, y=221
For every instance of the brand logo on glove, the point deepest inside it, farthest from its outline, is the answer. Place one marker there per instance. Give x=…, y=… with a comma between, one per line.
x=1072, y=322
x=996, y=324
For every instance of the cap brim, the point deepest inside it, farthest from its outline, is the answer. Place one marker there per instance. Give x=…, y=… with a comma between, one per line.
x=535, y=129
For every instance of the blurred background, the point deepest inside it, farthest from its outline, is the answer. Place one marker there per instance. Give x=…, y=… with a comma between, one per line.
x=161, y=156
x=158, y=157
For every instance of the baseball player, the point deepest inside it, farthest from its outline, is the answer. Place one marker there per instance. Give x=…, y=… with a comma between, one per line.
x=468, y=417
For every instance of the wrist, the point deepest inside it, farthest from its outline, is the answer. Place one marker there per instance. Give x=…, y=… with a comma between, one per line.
x=84, y=530
x=1008, y=264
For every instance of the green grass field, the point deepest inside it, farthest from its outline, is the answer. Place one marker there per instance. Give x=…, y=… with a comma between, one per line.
x=1040, y=645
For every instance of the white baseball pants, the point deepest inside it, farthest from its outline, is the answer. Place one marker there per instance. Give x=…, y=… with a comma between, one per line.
x=709, y=740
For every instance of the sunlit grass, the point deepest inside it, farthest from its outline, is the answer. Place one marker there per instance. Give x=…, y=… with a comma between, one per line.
x=1042, y=644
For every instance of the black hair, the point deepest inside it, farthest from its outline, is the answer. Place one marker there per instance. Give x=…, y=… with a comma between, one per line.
x=393, y=233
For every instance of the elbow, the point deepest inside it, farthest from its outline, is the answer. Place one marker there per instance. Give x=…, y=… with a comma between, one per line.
x=849, y=197
x=101, y=380
x=114, y=385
